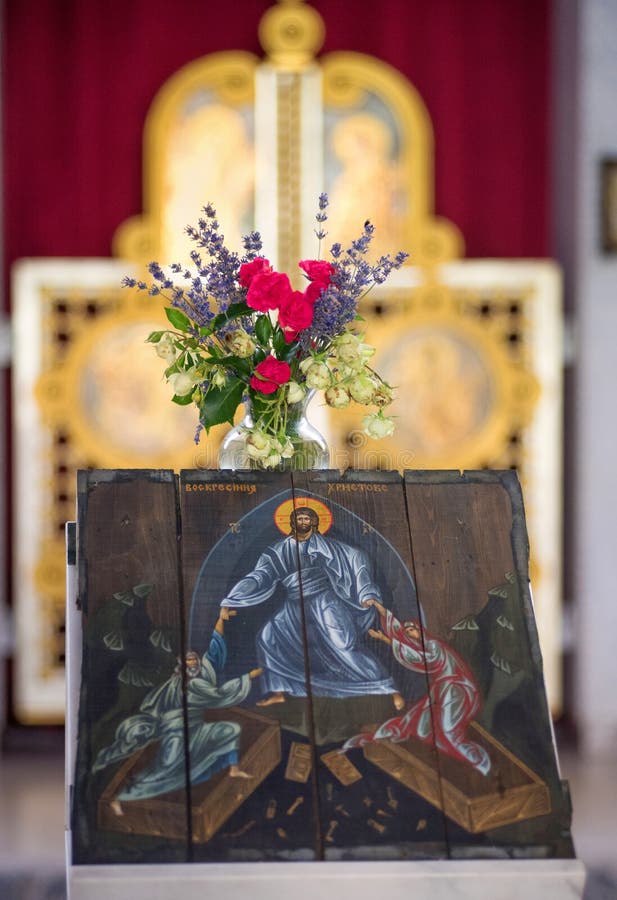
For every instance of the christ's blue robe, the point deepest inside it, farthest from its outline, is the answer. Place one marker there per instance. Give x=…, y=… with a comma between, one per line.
x=333, y=579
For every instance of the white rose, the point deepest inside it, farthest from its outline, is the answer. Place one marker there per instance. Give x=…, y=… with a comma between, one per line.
x=346, y=346
x=383, y=395
x=351, y=351
x=337, y=397
x=165, y=349
x=219, y=379
x=366, y=351
x=287, y=449
x=306, y=364
x=362, y=389
x=258, y=445
x=240, y=343
x=376, y=425
x=295, y=392
x=318, y=376
x=272, y=460
x=182, y=383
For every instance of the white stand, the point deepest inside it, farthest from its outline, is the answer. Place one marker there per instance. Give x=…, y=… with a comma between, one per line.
x=427, y=880
x=468, y=880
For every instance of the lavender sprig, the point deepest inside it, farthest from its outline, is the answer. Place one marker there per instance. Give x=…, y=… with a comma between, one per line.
x=353, y=279
x=320, y=218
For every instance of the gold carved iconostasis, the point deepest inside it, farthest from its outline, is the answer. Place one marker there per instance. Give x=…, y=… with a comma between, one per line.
x=474, y=346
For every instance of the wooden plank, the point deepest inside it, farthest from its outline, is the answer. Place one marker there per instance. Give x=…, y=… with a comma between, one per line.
x=133, y=632
x=497, y=767
x=238, y=555
x=461, y=537
x=364, y=557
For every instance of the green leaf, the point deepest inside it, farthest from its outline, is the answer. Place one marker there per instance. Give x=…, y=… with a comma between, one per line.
x=220, y=404
x=279, y=343
x=178, y=319
x=154, y=337
x=182, y=401
x=359, y=318
x=288, y=354
x=234, y=311
x=242, y=365
x=263, y=329
x=259, y=405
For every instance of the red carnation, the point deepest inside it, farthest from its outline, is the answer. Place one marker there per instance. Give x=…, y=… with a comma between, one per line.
x=318, y=270
x=248, y=270
x=295, y=315
x=274, y=372
x=268, y=290
x=313, y=291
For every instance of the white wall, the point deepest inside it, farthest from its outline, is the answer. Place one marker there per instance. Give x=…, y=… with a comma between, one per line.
x=5, y=631
x=589, y=51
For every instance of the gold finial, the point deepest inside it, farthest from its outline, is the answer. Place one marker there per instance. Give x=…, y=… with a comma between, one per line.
x=291, y=34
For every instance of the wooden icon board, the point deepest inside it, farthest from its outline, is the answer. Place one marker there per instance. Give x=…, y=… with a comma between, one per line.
x=397, y=629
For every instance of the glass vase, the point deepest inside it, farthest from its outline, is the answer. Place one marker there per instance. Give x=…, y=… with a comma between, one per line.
x=310, y=450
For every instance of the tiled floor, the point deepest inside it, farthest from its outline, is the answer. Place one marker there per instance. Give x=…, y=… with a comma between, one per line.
x=32, y=821
x=594, y=822
x=32, y=824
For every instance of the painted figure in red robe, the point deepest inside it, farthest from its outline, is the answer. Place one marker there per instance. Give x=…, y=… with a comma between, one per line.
x=442, y=716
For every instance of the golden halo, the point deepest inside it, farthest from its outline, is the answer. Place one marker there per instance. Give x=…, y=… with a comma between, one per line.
x=283, y=512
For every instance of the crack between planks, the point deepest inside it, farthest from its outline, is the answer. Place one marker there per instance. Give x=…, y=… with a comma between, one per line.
x=183, y=649
x=426, y=675
x=319, y=841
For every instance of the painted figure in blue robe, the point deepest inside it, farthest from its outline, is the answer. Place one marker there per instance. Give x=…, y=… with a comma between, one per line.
x=326, y=584
x=212, y=746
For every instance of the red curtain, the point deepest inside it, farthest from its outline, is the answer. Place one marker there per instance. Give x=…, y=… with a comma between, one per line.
x=79, y=76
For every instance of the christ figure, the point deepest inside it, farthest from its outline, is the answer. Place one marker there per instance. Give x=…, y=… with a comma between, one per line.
x=326, y=585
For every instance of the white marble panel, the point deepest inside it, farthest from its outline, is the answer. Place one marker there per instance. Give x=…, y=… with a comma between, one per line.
x=448, y=880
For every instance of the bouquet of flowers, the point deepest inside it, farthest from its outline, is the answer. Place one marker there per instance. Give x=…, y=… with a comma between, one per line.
x=241, y=333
